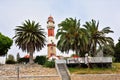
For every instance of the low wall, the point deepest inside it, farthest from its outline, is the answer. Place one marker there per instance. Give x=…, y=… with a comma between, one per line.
x=95, y=77
x=32, y=78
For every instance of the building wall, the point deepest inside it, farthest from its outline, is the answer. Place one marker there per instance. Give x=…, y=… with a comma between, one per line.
x=2, y=60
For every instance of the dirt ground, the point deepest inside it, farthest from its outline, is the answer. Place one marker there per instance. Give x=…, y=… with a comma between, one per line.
x=95, y=77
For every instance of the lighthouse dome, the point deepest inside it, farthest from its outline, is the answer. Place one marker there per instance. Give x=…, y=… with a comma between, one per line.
x=50, y=19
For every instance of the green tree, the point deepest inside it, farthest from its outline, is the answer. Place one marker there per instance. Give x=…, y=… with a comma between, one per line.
x=117, y=51
x=68, y=34
x=5, y=44
x=82, y=40
x=40, y=60
x=71, y=36
x=11, y=57
x=97, y=37
x=30, y=37
x=108, y=50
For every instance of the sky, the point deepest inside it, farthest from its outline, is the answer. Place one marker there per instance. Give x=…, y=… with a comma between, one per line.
x=14, y=12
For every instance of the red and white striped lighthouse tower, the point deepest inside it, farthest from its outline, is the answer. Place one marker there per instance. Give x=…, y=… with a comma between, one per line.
x=51, y=37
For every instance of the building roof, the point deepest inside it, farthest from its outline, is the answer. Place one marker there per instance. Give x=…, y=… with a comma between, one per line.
x=27, y=56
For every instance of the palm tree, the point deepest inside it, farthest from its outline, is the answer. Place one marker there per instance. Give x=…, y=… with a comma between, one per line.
x=30, y=37
x=64, y=43
x=70, y=35
x=97, y=37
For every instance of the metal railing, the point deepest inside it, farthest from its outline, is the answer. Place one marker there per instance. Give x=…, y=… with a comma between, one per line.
x=90, y=60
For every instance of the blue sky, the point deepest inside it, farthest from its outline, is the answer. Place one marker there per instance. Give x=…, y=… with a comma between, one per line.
x=14, y=12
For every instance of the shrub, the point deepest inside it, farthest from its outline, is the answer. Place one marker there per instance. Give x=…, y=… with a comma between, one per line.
x=50, y=64
x=23, y=60
x=40, y=60
x=11, y=57
x=10, y=62
x=117, y=51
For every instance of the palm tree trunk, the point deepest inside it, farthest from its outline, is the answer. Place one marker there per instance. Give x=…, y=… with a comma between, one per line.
x=76, y=50
x=31, y=58
x=94, y=48
x=31, y=53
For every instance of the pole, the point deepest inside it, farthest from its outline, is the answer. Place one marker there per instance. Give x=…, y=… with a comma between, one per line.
x=18, y=73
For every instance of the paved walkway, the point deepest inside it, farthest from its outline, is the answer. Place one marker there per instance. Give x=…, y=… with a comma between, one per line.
x=62, y=69
x=63, y=72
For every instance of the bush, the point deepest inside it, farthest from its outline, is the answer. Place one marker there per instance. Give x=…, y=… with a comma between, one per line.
x=40, y=60
x=117, y=51
x=23, y=60
x=92, y=65
x=50, y=64
x=10, y=62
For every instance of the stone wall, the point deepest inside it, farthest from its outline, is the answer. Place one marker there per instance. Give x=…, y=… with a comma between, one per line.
x=32, y=78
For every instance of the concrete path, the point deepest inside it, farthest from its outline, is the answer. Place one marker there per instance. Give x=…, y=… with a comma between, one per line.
x=62, y=70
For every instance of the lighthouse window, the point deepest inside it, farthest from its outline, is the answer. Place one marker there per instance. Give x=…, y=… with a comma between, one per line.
x=51, y=48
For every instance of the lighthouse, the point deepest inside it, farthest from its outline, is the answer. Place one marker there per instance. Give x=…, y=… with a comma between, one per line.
x=51, y=37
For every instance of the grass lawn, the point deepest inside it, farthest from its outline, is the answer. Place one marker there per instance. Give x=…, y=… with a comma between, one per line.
x=114, y=70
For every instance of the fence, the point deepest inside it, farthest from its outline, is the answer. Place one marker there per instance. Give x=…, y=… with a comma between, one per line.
x=90, y=60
